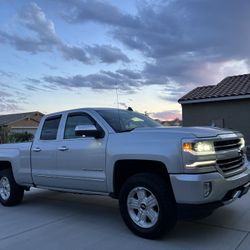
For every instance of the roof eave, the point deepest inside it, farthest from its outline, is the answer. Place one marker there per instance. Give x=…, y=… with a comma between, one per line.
x=215, y=99
x=28, y=115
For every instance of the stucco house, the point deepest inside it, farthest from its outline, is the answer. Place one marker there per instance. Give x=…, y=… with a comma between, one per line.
x=225, y=105
x=18, y=123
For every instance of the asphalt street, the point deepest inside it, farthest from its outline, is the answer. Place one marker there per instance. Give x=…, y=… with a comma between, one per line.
x=51, y=220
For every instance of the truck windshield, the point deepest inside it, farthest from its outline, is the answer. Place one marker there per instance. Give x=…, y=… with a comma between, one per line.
x=124, y=120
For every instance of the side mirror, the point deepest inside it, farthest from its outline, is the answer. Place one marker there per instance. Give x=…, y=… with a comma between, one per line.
x=88, y=131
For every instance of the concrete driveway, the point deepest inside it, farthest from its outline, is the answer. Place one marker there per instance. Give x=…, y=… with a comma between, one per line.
x=50, y=220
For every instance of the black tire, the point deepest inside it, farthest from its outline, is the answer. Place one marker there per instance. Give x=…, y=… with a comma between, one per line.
x=16, y=192
x=166, y=207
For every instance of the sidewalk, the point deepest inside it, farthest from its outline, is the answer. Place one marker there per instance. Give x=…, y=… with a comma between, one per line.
x=50, y=220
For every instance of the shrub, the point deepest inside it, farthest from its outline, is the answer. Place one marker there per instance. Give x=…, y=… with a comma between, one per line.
x=20, y=137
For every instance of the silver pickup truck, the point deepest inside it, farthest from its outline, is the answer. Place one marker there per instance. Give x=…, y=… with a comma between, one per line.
x=158, y=174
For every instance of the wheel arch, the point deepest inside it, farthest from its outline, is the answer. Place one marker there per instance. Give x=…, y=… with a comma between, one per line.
x=5, y=165
x=123, y=169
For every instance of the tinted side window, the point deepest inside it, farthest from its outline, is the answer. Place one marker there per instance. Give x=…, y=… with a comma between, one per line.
x=50, y=128
x=75, y=120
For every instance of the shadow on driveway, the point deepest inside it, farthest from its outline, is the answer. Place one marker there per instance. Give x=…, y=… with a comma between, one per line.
x=53, y=220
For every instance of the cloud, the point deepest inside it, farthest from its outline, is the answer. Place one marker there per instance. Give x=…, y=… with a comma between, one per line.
x=35, y=85
x=97, y=11
x=31, y=87
x=52, y=67
x=6, y=74
x=42, y=35
x=74, y=53
x=173, y=91
x=8, y=103
x=123, y=79
x=183, y=43
x=24, y=44
x=34, y=20
x=135, y=75
x=104, y=80
x=33, y=80
x=93, y=54
x=43, y=38
x=188, y=42
x=8, y=107
x=187, y=37
x=10, y=93
x=168, y=28
x=4, y=94
x=107, y=53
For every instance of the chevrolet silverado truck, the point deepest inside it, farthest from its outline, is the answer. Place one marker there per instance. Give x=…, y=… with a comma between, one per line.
x=158, y=174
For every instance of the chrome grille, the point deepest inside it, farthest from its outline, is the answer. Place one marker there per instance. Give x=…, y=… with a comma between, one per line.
x=232, y=164
x=227, y=144
x=230, y=157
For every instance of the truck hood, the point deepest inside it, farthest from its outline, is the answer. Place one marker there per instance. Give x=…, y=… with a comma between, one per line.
x=199, y=132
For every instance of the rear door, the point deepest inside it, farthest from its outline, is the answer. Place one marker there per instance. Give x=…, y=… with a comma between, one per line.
x=44, y=153
x=81, y=160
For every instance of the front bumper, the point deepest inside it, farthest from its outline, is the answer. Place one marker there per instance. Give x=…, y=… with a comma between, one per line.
x=194, y=211
x=189, y=188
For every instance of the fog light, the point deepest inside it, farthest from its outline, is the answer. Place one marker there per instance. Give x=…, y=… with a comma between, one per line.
x=207, y=188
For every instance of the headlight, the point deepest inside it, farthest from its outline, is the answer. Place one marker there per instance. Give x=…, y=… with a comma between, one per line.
x=242, y=143
x=199, y=148
x=199, y=155
x=204, y=147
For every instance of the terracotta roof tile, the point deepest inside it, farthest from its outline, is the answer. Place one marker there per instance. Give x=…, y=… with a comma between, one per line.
x=230, y=86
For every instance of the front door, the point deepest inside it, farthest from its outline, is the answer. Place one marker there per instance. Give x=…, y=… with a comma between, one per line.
x=81, y=160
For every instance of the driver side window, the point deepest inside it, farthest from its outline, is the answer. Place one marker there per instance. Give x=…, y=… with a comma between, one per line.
x=74, y=120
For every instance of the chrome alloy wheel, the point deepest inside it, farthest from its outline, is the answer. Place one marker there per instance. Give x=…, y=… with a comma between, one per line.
x=143, y=207
x=5, y=188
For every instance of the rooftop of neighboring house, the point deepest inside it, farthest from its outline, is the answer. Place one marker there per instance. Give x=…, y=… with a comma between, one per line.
x=12, y=118
x=232, y=87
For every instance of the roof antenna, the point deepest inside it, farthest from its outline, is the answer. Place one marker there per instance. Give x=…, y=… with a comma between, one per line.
x=117, y=98
x=130, y=109
x=118, y=109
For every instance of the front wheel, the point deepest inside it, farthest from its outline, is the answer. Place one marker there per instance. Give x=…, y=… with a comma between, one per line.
x=11, y=193
x=147, y=205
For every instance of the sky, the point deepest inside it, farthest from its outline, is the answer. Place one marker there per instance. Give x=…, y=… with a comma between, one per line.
x=65, y=54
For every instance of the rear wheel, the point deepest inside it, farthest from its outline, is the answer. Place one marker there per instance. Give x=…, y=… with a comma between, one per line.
x=147, y=205
x=11, y=193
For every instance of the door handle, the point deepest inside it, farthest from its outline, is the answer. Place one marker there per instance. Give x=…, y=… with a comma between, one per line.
x=63, y=148
x=37, y=149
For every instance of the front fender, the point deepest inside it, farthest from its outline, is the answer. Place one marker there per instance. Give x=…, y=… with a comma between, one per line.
x=131, y=148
